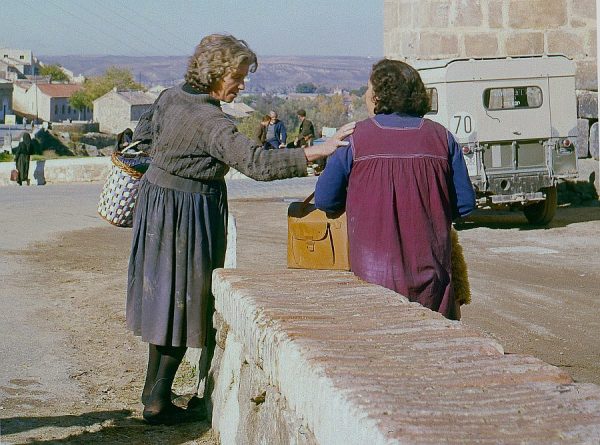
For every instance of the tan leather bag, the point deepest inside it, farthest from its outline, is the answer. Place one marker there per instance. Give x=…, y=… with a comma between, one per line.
x=316, y=241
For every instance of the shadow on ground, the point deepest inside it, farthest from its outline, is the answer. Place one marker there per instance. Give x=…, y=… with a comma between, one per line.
x=577, y=202
x=566, y=214
x=578, y=193
x=107, y=427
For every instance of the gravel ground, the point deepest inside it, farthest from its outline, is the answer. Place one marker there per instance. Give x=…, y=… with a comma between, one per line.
x=71, y=373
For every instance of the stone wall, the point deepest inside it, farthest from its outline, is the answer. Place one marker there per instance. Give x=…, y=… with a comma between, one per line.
x=55, y=171
x=76, y=127
x=112, y=113
x=298, y=364
x=438, y=29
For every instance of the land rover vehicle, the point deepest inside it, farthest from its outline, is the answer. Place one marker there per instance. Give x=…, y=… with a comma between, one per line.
x=516, y=120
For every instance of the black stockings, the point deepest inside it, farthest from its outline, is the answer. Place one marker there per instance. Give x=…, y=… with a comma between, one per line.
x=163, y=362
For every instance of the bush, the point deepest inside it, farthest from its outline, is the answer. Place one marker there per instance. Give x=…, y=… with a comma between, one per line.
x=6, y=157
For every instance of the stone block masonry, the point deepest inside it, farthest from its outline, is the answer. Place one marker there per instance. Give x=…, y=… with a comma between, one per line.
x=442, y=29
x=583, y=140
x=594, y=141
x=320, y=357
x=549, y=26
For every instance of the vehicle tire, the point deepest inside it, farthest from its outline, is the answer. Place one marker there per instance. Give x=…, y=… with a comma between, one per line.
x=541, y=213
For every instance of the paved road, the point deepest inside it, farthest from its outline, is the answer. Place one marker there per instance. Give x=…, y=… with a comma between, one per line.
x=536, y=290
x=38, y=214
x=35, y=213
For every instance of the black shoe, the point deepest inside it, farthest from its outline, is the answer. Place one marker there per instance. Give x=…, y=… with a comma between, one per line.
x=146, y=399
x=172, y=415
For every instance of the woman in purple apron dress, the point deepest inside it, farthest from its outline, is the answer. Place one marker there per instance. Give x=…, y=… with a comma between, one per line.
x=401, y=181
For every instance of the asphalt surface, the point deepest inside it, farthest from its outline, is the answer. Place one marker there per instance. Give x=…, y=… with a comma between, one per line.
x=38, y=214
x=534, y=289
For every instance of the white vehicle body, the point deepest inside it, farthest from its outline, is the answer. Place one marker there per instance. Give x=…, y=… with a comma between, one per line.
x=516, y=119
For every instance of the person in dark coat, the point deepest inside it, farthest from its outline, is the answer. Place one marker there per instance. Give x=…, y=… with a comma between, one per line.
x=276, y=132
x=180, y=219
x=124, y=139
x=23, y=157
x=261, y=131
x=306, y=131
x=402, y=180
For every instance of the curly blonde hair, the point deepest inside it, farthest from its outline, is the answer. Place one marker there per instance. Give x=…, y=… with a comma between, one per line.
x=214, y=56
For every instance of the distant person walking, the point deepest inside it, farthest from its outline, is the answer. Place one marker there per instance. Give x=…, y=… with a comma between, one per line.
x=276, y=133
x=124, y=139
x=23, y=157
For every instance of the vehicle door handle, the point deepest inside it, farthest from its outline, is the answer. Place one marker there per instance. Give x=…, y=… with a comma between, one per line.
x=516, y=132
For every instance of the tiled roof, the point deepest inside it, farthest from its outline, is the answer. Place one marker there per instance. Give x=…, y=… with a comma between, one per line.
x=236, y=109
x=58, y=89
x=137, y=97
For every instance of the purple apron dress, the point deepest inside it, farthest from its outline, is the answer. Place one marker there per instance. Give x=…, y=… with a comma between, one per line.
x=399, y=212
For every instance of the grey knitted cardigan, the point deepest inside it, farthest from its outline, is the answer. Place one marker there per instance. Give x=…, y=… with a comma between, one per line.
x=192, y=138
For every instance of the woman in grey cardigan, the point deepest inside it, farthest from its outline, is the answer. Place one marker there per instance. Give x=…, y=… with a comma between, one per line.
x=179, y=230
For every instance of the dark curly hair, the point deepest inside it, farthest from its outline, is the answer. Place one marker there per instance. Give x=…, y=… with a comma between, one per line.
x=398, y=88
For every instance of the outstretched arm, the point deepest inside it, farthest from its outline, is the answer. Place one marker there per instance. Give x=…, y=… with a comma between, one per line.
x=331, y=189
x=325, y=149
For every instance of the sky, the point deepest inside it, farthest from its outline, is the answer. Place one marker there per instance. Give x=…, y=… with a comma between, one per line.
x=162, y=27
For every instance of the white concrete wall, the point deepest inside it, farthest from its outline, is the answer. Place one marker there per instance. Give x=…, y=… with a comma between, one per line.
x=56, y=171
x=19, y=98
x=61, y=170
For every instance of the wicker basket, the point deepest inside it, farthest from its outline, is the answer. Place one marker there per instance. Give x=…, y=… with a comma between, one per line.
x=119, y=193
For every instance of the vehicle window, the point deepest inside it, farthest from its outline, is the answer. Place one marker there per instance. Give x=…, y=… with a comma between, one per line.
x=433, y=100
x=512, y=98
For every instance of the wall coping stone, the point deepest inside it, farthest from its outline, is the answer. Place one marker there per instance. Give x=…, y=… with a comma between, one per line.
x=360, y=364
x=90, y=169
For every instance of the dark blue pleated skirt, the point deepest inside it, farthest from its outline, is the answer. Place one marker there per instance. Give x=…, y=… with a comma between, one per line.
x=179, y=238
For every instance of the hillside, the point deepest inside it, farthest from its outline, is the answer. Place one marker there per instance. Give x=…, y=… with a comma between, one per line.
x=275, y=73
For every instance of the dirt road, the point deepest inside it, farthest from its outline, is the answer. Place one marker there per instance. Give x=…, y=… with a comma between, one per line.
x=76, y=377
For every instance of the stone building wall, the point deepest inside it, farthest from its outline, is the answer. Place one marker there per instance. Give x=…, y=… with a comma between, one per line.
x=112, y=113
x=440, y=29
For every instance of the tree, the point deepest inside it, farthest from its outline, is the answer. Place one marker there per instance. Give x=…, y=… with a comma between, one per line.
x=358, y=108
x=80, y=100
x=360, y=92
x=55, y=72
x=307, y=87
x=323, y=90
x=249, y=125
x=94, y=87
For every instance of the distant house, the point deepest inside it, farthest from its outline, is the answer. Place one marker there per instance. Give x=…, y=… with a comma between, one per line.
x=6, y=92
x=71, y=75
x=237, y=110
x=48, y=102
x=118, y=110
x=17, y=63
x=8, y=71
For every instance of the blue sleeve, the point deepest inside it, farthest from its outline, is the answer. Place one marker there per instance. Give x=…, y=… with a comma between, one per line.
x=330, y=192
x=283, y=134
x=461, y=189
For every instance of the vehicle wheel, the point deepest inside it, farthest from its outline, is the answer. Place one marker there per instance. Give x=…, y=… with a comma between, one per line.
x=542, y=212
